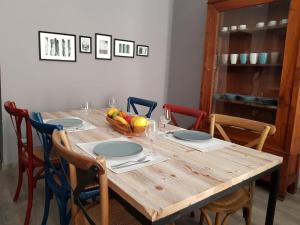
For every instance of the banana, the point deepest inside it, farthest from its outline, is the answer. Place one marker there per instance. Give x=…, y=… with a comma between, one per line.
x=110, y=111
x=121, y=120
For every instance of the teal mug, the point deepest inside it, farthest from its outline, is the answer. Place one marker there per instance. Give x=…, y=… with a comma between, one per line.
x=243, y=58
x=263, y=57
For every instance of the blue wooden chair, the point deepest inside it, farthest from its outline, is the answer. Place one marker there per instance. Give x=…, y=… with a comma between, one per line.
x=133, y=101
x=55, y=179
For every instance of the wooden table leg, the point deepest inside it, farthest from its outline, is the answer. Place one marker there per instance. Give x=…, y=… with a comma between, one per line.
x=273, y=192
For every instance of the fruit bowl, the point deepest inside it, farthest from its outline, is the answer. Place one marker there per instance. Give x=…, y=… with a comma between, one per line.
x=125, y=123
x=124, y=129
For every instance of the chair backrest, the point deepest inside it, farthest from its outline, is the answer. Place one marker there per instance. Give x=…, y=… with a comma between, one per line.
x=262, y=129
x=133, y=101
x=199, y=115
x=78, y=161
x=18, y=116
x=53, y=174
x=44, y=131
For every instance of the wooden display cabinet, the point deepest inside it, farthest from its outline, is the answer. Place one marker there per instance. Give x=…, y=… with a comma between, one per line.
x=253, y=71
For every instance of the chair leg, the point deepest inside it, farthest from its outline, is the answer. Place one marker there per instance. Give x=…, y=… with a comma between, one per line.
x=20, y=182
x=205, y=216
x=226, y=219
x=218, y=220
x=248, y=216
x=48, y=196
x=245, y=212
x=201, y=217
x=62, y=210
x=30, y=196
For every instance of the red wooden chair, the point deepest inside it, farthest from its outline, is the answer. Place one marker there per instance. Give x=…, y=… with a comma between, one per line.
x=187, y=111
x=30, y=159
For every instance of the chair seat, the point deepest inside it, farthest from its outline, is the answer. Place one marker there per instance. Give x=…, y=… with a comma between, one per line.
x=117, y=215
x=230, y=203
x=38, y=152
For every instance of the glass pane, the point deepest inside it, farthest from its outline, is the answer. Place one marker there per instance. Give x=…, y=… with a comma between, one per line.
x=250, y=54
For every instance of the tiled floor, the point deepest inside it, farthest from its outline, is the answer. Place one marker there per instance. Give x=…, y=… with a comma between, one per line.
x=288, y=211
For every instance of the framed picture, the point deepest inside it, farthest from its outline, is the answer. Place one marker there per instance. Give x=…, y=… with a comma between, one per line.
x=124, y=48
x=57, y=46
x=103, y=46
x=85, y=44
x=142, y=50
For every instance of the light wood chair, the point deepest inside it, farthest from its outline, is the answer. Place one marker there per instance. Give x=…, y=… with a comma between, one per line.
x=242, y=198
x=104, y=212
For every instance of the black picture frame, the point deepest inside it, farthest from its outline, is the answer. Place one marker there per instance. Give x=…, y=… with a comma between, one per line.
x=98, y=54
x=81, y=37
x=45, y=54
x=138, y=53
x=128, y=42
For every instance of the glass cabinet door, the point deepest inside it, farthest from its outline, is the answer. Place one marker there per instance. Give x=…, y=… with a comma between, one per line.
x=250, y=53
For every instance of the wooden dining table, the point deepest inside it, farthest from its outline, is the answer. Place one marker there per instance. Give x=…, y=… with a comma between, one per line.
x=188, y=180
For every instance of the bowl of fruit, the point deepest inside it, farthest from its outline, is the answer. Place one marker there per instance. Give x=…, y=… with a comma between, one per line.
x=125, y=123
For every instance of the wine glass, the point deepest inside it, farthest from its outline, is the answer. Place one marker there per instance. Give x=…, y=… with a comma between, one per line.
x=85, y=108
x=112, y=101
x=166, y=117
x=151, y=131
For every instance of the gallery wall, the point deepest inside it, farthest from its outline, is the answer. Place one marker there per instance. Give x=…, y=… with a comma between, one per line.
x=49, y=86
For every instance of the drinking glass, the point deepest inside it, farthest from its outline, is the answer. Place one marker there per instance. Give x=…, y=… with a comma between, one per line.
x=166, y=117
x=85, y=108
x=112, y=101
x=151, y=131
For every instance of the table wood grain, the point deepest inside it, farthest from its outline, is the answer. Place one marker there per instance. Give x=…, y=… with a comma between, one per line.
x=189, y=176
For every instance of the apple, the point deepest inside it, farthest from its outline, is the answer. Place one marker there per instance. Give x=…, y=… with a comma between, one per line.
x=128, y=118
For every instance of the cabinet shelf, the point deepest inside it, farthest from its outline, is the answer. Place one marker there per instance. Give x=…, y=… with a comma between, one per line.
x=250, y=65
x=251, y=104
x=255, y=30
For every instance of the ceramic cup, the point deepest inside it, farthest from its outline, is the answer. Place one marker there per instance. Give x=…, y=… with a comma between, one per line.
x=260, y=24
x=233, y=28
x=253, y=58
x=243, y=58
x=224, y=29
x=274, y=57
x=283, y=21
x=263, y=57
x=234, y=58
x=242, y=27
x=225, y=58
x=272, y=23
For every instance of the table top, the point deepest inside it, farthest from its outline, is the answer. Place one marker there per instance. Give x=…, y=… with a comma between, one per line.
x=188, y=177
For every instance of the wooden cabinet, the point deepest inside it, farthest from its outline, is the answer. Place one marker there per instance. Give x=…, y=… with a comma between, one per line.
x=252, y=70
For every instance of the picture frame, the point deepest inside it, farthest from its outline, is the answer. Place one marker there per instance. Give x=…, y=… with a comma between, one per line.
x=103, y=46
x=85, y=43
x=55, y=46
x=142, y=50
x=124, y=48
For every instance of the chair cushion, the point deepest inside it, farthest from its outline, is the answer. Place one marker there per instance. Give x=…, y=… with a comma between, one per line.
x=117, y=215
x=231, y=202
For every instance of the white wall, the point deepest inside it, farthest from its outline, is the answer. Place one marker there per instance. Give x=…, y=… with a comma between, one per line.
x=48, y=86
